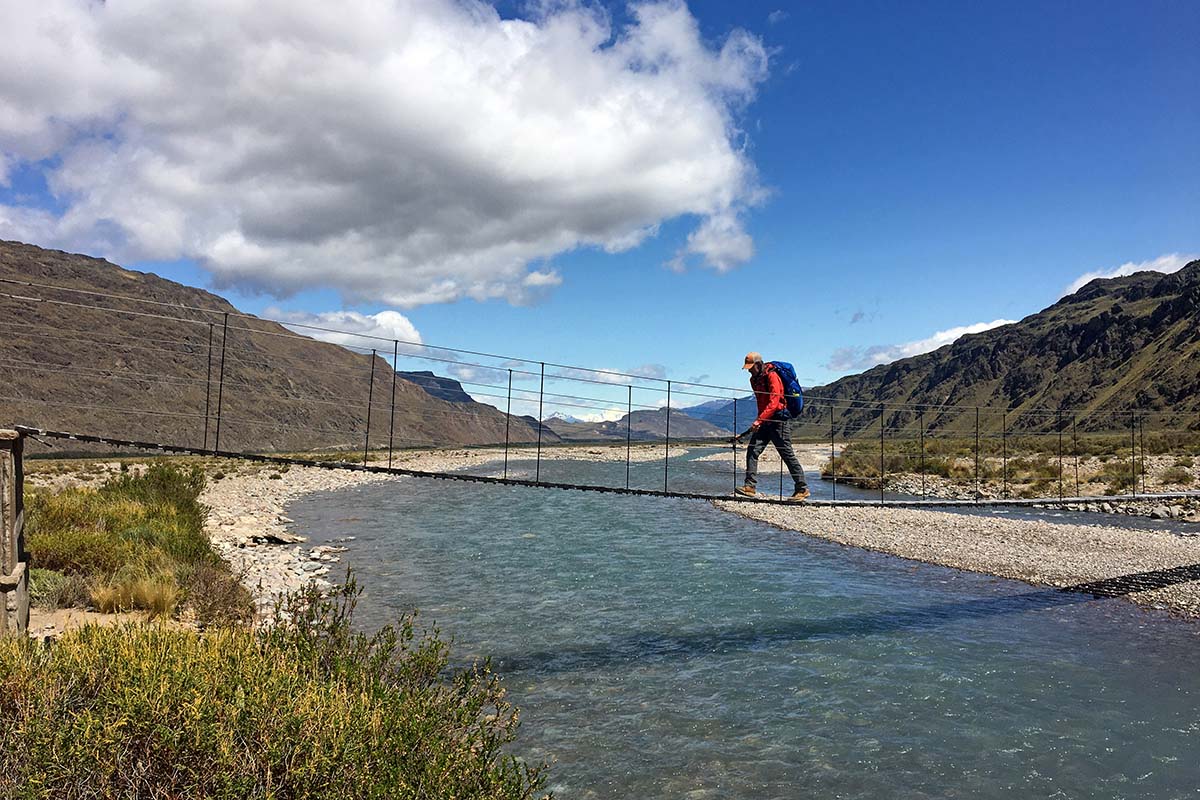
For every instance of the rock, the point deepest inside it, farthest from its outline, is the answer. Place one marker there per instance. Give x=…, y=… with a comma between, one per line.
x=1160, y=512
x=279, y=537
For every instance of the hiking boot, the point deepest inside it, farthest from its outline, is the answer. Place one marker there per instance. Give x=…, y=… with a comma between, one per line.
x=800, y=496
x=746, y=491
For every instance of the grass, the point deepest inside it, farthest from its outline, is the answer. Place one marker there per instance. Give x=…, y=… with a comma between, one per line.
x=307, y=708
x=136, y=543
x=51, y=589
x=1031, y=471
x=858, y=464
x=1177, y=475
x=1118, y=476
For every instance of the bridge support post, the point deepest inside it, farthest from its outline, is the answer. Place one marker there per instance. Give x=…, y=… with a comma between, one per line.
x=667, y=453
x=14, y=561
x=1142, y=448
x=208, y=386
x=628, y=435
x=734, y=445
x=1059, y=425
x=507, y=420
x=1004, y=443
x=392, y=405
x=537, y=468
x=921, y=416
x=221, y=384
x=1075, y=452
x=1133, y=452
x=882, y=466
x=370, y=399
x=832, y=451
x=976, y=454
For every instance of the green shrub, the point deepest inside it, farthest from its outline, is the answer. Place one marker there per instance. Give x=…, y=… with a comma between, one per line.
x=1043, y=487
x=214, y=596
x=138, y=541
x=1177, y=475
x=1032, y=469
x=309, y=709
x=50, y=589
x=1184, y=461
x=1117, y=475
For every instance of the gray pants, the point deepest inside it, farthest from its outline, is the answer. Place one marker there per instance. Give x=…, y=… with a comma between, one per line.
x=778, y=433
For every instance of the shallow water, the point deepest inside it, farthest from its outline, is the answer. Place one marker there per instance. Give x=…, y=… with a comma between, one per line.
x=661, y=648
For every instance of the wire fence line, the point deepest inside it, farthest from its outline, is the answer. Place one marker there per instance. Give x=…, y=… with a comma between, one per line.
x=216, y=380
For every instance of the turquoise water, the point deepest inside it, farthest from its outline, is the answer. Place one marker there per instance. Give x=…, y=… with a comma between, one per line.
x=661, y=648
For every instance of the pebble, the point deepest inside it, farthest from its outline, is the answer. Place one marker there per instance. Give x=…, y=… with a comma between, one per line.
x=1034, y=551
x=246, y=526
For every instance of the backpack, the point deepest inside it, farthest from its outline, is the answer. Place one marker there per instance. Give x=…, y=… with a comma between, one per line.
x=791, y=388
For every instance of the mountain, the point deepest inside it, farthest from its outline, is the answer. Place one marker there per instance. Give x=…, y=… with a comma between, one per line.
x=640, y=425
x=118, y=367
x=560, y=417
x=1115, y=345
x=720, y=413
x=446, y=389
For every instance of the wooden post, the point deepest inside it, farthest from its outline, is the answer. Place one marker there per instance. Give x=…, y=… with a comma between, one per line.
x=14, y=572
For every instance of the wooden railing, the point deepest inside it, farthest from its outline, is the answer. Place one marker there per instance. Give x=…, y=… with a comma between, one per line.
x=14, y=561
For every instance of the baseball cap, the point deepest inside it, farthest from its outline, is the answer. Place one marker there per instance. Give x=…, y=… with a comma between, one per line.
x=751, y=359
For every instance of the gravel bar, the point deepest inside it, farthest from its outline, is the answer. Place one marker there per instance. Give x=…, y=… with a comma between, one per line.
x=1035, y=551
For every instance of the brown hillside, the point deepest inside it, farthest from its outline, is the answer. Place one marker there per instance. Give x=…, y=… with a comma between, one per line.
x=139, y=371
x=1116, y=347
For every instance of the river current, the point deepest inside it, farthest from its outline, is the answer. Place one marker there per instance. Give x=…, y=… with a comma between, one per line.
x=663, y=648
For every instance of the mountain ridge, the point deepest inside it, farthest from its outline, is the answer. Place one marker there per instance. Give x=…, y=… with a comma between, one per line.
x=137, y=371
x=1114, y=346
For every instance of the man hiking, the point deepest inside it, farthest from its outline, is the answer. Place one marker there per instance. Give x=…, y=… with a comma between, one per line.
x=773, y=425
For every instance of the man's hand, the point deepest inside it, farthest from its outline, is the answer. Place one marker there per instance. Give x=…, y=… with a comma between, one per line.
x=756, y=425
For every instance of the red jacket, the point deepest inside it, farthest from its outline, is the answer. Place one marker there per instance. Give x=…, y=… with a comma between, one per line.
x=768, y=391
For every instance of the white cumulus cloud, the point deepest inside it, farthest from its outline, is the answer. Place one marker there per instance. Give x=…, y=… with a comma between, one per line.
x=861, y=358
x=618, y=377
x=353, y=329
x=1170, y=262
x=404, y=152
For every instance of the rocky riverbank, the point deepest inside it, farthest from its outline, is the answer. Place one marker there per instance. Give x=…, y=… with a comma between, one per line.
x=1185, y=509
x=1041, y=552
x=248, y=527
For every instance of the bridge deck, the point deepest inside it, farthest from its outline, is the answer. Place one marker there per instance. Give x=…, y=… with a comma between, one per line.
x=457, y=476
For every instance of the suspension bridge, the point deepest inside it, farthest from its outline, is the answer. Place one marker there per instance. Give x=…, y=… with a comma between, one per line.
x=95, y=370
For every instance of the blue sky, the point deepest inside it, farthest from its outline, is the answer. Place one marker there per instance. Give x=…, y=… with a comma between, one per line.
x=916, y=168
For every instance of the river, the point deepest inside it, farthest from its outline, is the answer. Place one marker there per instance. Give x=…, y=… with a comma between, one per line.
x=662, y=648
